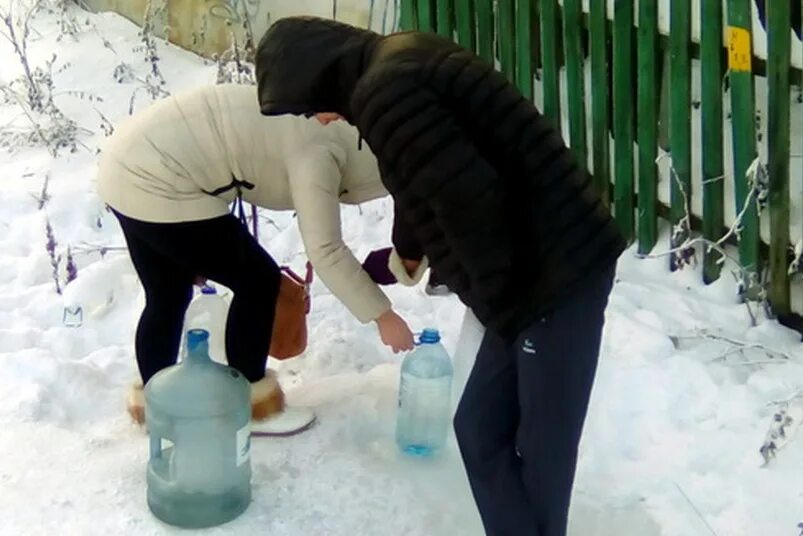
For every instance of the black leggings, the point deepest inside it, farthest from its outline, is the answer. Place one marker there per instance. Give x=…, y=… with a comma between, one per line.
x=168, y=257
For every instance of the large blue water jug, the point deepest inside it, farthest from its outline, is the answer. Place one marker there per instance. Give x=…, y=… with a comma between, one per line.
x=424, y=414
x=198, y=414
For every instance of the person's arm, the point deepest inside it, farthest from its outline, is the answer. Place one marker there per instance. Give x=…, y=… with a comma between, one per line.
x=407, y=262
x=438, y=175
x=314, y=180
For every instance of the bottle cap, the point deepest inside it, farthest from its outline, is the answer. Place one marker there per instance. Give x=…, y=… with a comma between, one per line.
x=430, y=336
x=208, y=289
x=196, y=337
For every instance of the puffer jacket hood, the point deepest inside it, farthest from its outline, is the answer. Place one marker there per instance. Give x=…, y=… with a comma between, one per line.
x=314, y=64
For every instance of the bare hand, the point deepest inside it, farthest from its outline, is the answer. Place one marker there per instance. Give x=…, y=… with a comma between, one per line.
x=394, y=332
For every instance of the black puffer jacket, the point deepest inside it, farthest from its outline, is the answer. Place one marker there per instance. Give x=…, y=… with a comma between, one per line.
x=487, y=187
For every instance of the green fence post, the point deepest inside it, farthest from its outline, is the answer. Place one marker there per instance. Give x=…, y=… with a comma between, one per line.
x=680, y=126
x=549, y=61
x=575, y=77
x=647, y=125
x=426, y=19
x=599, y=98
x=464, y=19
x=778, y=140
x=445, y=18
x=740, y=53
x=407, y=17
x=506, y=37
x=712, y=138
x=623, y=116
x=485, y=23
x=524, y=47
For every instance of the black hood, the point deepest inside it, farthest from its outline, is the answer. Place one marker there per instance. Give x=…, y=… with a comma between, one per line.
x=306, y=65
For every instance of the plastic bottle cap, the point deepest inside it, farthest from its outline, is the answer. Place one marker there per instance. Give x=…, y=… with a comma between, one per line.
x=430, y=336
x=207, y=289
x=196, y=337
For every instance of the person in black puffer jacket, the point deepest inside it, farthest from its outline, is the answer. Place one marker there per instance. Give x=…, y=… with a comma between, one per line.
x=488, y=194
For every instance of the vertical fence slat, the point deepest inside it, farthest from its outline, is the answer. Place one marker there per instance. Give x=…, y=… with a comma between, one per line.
x=426, y=20
x=524, y=47
x=647, y=125
x=575, y=83
x=598, y=25
x=680, y=124
x=484, y=13
x=744, y=131
x=506, y=37
x=445, y=19
x=464, y=20
x=623, y=116
x=712, y=138
x=407, y=17
x=778, y=140
x=549, y=60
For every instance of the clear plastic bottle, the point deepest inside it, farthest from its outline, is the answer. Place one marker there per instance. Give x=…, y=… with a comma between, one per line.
x=209, y=310
x=424, y=414
x=198, y=414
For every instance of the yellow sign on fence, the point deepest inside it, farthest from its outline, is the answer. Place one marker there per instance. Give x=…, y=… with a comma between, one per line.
x=740, y=53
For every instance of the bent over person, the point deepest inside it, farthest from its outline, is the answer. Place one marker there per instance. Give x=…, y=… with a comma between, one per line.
x=169, y=175
x=489, y=195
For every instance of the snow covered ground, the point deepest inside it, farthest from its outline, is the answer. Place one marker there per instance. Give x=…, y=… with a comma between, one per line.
x=680, y=409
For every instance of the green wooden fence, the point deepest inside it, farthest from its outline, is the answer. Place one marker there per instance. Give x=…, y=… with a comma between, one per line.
x=622, y=66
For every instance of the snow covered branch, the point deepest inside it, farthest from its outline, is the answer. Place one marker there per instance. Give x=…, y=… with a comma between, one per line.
x=683, y=243
x=43, y=196
x=154, y=82
x=68, y=24
x=796, y=396
x=696, y=510
x=780, y=432
x=737, y=346
x=16, y=29
x=234, y=65
x=86, y=248
x=42, y=121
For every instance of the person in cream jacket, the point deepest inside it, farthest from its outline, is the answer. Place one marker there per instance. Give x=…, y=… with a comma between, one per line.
x=170, y=174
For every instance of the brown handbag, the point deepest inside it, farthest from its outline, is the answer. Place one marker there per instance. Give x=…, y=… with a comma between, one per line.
x=292, y=307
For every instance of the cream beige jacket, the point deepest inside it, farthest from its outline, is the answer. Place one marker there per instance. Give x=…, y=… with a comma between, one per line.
x=162, y=164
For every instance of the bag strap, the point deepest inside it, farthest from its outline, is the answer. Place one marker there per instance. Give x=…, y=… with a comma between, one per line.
x=306, y=280
x=240, y=212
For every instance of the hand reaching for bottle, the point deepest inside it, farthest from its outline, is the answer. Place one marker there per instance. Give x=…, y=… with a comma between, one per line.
x=395, y=332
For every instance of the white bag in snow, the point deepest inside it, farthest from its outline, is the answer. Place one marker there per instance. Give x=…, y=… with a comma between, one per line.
x=468, y=344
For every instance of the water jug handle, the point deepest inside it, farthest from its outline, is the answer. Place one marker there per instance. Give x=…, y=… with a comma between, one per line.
x=156, y=446
x=160, y=465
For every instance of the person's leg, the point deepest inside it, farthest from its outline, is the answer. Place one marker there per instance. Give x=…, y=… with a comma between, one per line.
x=557, y=360
x=485, y=424
x=168, y=291
x=221, y=249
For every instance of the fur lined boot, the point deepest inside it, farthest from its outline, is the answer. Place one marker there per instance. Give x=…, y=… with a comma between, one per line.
x=270, y=416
